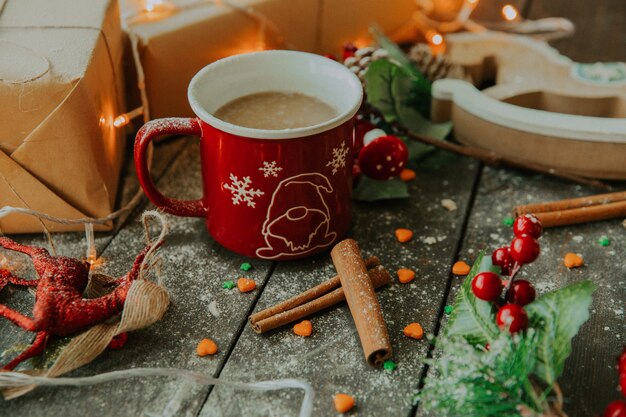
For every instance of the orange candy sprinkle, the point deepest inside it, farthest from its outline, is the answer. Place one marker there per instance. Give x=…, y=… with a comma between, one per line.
x=414, y=331
x=460, y=268
x=206, y=347
x=343, y=402
x=304, y=328
x=246, y=285
x=404, y=235
x=406, y=275
x=572, y=260
x=407, y=175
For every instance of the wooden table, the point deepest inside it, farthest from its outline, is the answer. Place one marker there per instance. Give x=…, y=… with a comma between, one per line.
x=331, y=360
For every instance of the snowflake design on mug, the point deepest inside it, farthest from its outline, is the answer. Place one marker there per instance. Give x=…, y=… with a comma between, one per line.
x=241, y=190
x=339, y=157
x=270, y=169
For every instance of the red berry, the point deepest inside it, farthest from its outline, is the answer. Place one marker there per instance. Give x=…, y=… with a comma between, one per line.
x=527, y=225
x=383, y=158
x=622, y=383
x=615, y=409
x=513, y=317
x=487, y=286
x=621, y=362
x=521, y=293
x=348, y=50
x=502, y=258
x=524, y=249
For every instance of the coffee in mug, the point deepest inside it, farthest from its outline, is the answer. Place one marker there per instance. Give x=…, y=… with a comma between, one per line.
x=275, y=110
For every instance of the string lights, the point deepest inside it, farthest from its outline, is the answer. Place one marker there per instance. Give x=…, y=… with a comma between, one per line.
x=510, y=13
x=125, y=118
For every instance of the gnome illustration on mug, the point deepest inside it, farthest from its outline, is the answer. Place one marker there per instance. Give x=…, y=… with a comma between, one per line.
x=304, y=195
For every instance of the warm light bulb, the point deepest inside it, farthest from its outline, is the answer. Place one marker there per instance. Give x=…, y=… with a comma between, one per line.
x=121, y=120
x=436, y=42
x=124, y=118
x=509, y=13
x=437, y=39
x=152, y=4
x=472, y=2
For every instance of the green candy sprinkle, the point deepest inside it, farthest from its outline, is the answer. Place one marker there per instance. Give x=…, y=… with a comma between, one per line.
x=604, y=241
x=508, y=221
x=390, y=366
x=229, y=285
x=448, y=309
x=246, y=266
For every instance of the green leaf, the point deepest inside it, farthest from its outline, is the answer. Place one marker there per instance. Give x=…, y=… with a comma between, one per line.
x=372, y=190
x=378, y=86
x=396, y=54
x=473, y=318
x=392, y=92
x=557, y=317
x=466, y=381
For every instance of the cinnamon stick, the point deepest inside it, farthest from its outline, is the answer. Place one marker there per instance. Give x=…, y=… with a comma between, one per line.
x=306, y=296
x=571, y=203
x=577, y=210
x=378, y=275
x=582, y=214
x=362, y=301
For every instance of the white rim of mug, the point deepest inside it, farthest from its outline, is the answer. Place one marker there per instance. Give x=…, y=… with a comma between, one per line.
x=338, y=120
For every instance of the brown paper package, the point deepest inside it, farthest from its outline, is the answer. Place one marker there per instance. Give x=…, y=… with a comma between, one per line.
x=173, y=49
x=61, y=86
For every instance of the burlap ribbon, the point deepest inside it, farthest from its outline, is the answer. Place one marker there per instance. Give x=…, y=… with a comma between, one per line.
x=146, y=304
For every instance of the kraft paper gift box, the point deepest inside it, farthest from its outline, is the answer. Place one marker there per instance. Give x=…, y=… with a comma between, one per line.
x=177, y=44
x=61, y=85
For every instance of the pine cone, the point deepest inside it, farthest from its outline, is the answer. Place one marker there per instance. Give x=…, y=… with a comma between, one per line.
x=435, y=67
x=362, y=58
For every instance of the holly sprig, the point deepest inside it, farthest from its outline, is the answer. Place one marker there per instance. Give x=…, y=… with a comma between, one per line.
x=483, y=370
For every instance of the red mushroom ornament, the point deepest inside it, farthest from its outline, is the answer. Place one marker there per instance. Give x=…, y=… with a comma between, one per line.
x=383, y=158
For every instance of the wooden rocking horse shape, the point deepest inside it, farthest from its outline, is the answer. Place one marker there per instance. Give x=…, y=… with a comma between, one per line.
x=60, y=308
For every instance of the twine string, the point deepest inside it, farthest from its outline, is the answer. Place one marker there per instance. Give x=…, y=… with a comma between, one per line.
x=18, y=379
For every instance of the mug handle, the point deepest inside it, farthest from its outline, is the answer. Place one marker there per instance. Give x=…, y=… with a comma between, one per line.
x=149, y=131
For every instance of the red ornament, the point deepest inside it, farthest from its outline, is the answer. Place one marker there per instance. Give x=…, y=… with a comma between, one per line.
x=521, y=293
x=487, y=286
x=60, y=308
x=383, y=158
x=501, y=257
x=118, y=341
x=524, y=249
x=513, y=317
x=348, y=50
x=527, y=225
x=615, y=409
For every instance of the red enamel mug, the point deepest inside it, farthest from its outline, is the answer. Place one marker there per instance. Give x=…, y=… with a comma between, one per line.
x=270, y=194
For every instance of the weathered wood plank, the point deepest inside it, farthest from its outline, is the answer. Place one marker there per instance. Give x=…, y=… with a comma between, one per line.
x=194, y=270
x=600, y=28
x=589, y=375
x=332, y=358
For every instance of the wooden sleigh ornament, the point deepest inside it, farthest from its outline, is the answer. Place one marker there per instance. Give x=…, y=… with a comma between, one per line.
x=544, y=108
